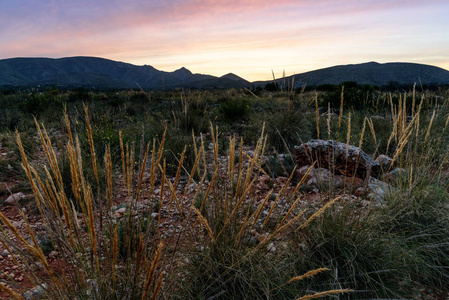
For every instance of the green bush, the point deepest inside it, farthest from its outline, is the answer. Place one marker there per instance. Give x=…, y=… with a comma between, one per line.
x=235, y=108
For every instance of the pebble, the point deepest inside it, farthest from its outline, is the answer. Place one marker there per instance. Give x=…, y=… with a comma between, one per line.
x=265, y=179
x=271, y=247
x=53, y=254
x=37, y=266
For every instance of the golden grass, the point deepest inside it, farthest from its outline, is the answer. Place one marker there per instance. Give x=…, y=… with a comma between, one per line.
x=150, y=274
x=341, y=106
x=317, y=116
x=322, y=294
x=307, y=274
x=10, y=292
x=205, y=224
x=318, y=213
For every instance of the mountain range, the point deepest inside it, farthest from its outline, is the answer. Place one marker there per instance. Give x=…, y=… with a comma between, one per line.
x=93, y=72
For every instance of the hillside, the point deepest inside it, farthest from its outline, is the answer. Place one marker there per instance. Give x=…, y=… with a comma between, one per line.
x=371, y=73
x=92, y=72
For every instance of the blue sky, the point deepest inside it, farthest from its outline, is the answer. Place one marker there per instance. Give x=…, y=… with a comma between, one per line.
x=247, y=37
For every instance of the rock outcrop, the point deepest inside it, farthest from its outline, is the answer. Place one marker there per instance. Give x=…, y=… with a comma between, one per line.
x=339, y=158
x=345, y=166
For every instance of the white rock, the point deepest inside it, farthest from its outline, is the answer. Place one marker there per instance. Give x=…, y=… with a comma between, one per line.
x=271, y=247
x=120, y=212
x=14, y=198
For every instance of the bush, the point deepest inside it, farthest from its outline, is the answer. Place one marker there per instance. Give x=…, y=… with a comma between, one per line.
x=235, y=108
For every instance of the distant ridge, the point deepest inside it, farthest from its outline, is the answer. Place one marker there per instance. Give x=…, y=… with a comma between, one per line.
x=371, y=73
x=93, y=72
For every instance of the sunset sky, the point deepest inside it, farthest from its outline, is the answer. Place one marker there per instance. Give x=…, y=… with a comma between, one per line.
x=247, y=37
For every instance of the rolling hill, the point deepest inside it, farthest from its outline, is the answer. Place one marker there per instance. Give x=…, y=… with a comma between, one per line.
x=371, y=73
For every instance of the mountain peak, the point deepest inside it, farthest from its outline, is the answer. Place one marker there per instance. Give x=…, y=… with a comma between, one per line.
x=183, y=70
x=232, y=76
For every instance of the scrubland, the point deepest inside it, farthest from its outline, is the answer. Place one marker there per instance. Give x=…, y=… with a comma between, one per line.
x=196, y=195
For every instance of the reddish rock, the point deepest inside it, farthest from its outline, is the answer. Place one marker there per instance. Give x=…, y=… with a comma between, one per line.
x=339, y=158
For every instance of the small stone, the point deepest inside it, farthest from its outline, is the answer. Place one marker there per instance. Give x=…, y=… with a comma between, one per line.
x=35, y=293
x=271, y=247
x=14, y=198
x=361, y=191
x=5, y=253
x=265, y=179
x=262, y=186
x=37, y=266
x=378, y=190
x=121, y=210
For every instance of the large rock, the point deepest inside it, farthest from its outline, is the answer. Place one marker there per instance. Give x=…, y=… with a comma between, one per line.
x=337, y=157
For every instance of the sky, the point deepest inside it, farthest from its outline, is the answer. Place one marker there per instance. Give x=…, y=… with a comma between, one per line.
x=250, y=38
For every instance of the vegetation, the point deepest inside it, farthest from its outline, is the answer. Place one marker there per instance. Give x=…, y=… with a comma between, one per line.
x=157, y=195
